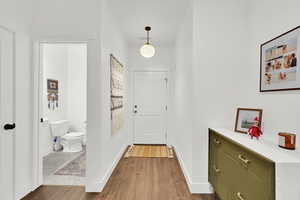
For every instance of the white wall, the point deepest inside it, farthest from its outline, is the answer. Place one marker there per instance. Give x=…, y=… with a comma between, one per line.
x=89, y=20
x=281, y=109
x=206, y=93
x=16, y=16
x=182, y=97
x=112, y=145
x=225, y=74
x=80, y=22
x=77, y=86
x=221, y=42
x=55, y=66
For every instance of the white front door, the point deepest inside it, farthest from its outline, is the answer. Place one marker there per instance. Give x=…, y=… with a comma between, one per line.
x=150, y=107
x=7, y=116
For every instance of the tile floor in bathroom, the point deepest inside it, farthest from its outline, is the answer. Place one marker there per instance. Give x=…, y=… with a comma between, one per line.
x=55, y=162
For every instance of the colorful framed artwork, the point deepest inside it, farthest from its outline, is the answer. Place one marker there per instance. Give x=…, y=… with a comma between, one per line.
x=247, y=117
x=279, y=65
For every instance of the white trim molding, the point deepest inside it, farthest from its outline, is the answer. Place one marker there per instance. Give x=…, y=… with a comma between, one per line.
x=37, y=101
x=194, y=187
x=99, y=186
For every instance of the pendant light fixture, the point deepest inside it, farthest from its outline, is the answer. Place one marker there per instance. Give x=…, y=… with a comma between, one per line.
x=147, y=50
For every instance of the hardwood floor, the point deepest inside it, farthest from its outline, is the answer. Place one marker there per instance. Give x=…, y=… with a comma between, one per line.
x=133, y=179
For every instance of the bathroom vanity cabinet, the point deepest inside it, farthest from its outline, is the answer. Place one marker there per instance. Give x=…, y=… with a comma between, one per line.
x=245, y=169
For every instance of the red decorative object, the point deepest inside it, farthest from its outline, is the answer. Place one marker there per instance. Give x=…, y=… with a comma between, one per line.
x=255, y=130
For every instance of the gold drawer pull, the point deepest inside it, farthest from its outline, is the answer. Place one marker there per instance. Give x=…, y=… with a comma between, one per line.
x=217, y=142
x=240, y=196
x=216, y=169
x=244, y=160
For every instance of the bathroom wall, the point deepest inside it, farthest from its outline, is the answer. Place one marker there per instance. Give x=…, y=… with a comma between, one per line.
x=77, y=86
x=66, y=63
x=55, y=66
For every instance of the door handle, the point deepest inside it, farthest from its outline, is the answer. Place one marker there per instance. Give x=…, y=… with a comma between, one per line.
x=9, y=126
x=240, y=196
x=135, y=109
x=216, y=169
x=217, y=142
x=244, y=160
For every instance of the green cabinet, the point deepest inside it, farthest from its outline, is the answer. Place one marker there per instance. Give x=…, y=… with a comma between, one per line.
x=237, y=173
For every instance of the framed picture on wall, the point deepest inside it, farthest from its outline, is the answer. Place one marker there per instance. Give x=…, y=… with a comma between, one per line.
x=247, y=117
x=52, y=85
x=117, y=94
x=279, y=62
x=52, y=96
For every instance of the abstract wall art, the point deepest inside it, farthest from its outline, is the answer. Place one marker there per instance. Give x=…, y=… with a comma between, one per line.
x=117, y=94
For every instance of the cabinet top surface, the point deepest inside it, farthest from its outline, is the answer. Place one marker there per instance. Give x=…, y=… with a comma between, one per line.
x=262, y=147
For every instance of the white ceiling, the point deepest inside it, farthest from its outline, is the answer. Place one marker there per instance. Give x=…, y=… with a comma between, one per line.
x=164, y=16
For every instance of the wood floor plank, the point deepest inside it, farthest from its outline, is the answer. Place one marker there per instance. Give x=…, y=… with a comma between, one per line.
x=133, y=179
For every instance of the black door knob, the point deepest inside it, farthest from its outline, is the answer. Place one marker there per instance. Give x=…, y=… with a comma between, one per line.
x=9, y=126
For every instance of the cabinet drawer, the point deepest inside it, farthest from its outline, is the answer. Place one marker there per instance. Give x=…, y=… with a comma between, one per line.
x=251, y=189
x=258, y=166
x=254, y=163
x=237, y=173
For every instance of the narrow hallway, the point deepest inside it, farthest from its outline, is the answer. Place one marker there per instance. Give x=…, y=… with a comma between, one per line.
x=133, y=179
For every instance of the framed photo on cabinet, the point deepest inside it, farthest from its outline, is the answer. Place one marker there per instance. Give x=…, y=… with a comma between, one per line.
x=279, y=62
x=246, y=118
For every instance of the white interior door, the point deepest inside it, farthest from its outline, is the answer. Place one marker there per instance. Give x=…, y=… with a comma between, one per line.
x=7, y=106
x=150, y=107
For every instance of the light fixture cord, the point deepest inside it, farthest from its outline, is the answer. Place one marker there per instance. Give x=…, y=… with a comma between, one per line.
x=148, y=37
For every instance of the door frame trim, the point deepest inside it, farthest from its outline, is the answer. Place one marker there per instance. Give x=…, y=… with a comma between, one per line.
x=132, y=72
x=37, y=101
x=14, y=111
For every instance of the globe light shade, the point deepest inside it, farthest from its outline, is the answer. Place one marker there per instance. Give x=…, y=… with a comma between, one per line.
x=147, y=51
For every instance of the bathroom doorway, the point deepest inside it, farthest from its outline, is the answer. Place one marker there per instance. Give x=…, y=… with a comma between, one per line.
x=62, y=113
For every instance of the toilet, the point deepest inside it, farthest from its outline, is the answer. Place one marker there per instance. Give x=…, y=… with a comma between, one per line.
x=71, y=141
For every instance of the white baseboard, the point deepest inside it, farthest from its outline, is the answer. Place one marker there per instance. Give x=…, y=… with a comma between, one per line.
x=195, y=188
x=100, y=186
x=93, y=187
